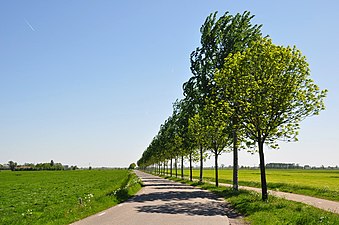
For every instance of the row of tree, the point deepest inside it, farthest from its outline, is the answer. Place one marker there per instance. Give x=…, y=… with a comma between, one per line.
x=39, y=166
x=244, y=92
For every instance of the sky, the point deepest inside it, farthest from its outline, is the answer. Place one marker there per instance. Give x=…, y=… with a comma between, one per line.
x=89, y=83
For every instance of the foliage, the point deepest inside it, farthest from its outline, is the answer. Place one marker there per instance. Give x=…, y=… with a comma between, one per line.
x=244, y=91
x=12, y=165
x=219, y=37
x=272, y=88
x=132, y=166
x=39, y=166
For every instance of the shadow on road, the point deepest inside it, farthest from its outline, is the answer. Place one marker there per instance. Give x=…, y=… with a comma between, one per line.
x=175, y=195
x=191, y=209
x=197, y=208
x=174, y=188
x=176, y=198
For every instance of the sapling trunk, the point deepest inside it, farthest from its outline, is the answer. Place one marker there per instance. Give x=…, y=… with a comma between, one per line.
x=182, y=167
x=216, y=169
x=191, y=176
x=176, y=168
x=171, y=167
x=235, y=161
x=262, y=171
x=201, y=163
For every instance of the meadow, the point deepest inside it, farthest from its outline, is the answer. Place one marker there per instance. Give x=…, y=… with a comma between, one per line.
x=317, y=183
x=61, y=197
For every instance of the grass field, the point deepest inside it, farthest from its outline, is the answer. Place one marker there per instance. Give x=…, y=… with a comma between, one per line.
x=318, y=183
x=61, y=197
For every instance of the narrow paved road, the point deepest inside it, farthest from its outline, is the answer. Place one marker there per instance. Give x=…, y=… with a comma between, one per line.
x=164, y=202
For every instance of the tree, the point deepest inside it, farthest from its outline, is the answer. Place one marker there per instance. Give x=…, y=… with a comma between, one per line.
x=132, y=166
x=183, y=110
x=219, y=38
x=216, y=130
x=12, y=165
x=272, y=87
x=196, y=132
x=52, y=163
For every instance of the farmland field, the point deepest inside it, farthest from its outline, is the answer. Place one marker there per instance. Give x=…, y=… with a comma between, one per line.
x=318, y=183
x=61, y=197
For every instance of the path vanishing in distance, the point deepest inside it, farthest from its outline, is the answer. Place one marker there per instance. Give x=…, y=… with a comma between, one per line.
x=165, y=202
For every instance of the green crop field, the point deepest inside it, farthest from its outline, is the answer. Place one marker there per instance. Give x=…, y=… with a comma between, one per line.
x=318, y=183
x=61, y=197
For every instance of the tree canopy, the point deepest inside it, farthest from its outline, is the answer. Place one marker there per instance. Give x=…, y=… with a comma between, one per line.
x=271, y=84
x=244, y=91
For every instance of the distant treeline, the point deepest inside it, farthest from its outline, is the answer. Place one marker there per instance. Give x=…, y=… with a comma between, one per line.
x=35, y=167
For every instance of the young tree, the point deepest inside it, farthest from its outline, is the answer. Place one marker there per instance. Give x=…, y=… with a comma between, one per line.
x=271, y=84
x=196, y=132
x=219, y=38
x=216, y=129
x=184, y=110
x=12, y=165
x=132, y=166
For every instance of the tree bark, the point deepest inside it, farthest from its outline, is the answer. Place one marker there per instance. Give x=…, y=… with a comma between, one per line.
x=166, y=168
x=201, y=163
x=171, y=166
x=191, y=176
x=262, y=171
x=216, y=169
x=176, y=168
x=235, y=161
x=182, y=167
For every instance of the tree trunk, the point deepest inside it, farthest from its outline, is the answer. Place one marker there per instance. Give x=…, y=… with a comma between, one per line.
x=262, y=171
x=166, y=168
x=235, y=161
x=201, y=163
x=216, y=169
x=176, y=168
x=182, y=167
x=171, y=166
x=191, y=176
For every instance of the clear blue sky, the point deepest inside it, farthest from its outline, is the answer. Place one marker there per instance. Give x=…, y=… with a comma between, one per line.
x=90, y=82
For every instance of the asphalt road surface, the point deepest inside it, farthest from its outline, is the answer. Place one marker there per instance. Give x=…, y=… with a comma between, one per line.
x=164, y=202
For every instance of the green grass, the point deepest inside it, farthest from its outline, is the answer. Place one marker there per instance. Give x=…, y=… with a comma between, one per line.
x=61, y=197
x=317, y=183
x=274, y=211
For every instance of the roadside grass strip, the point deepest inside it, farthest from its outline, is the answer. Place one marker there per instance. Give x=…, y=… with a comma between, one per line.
x=315, y=183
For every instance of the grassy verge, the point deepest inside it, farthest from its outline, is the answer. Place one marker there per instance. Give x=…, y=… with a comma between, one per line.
x=275, y=211
x=61, y=197
x=316, y=183
x=324, y=192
